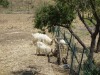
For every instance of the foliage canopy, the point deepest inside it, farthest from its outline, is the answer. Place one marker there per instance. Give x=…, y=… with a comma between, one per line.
x=63, y=12
x=50, y=15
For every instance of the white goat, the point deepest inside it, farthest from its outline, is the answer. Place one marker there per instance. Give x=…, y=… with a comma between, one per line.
x=41, y=47
x=62, y=42
x=47, y=39
x=45, y=49
x=41, y=37
x=36, y=37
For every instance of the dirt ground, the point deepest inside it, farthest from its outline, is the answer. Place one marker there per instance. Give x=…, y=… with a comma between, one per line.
x=17, y=53
x=16, y=50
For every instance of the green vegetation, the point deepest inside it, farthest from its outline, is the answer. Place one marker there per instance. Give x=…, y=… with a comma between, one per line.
x=63, y=12
x=52, y=15
x=88, y=23
x=4, y=3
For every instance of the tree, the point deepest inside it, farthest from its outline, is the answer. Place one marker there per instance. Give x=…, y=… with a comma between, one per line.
x=64, y=12
x=52, y=15
x=91, y=7
x=4, y=3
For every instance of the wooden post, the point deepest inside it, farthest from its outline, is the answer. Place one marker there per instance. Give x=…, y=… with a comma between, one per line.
x=59, y=51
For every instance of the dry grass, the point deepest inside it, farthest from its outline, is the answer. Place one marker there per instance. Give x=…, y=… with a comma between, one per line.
x=23, y=6
x=84, y=35
x=16, y=51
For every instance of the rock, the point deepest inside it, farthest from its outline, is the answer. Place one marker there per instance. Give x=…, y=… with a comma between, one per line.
x=65, y=66
x=28, y=73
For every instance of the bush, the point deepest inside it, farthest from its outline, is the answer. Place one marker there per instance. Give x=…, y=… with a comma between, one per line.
x=4, y=3
x=52, y=15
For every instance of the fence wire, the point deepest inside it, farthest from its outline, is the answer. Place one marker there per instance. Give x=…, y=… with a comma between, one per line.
x=82, y=68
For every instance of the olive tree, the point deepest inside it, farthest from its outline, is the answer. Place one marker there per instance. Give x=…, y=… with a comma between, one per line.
x=59, y=14
x=63, y=12
x=92, y=10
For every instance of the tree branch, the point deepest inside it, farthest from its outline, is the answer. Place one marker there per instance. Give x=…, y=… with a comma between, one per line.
x=87, y=27
x=98, y=44
x=93, y=41
x=94, y=11
x=78, y=39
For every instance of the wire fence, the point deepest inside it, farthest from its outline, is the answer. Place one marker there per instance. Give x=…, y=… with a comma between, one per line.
x=79, y=63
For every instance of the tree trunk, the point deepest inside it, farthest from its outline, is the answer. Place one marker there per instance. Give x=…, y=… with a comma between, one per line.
x=98, y=44
x=92, y=47
x=78, y=39
x=93, y=41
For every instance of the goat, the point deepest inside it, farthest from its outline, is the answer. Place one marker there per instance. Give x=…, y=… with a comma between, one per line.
x=41, y=37
x=62, y=41
x=41, y=47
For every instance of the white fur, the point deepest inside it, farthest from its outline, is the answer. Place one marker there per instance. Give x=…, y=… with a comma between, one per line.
x=62, y=41
x=41, y=37
x=47, y=39
x=63, y=44
x=41, y=47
